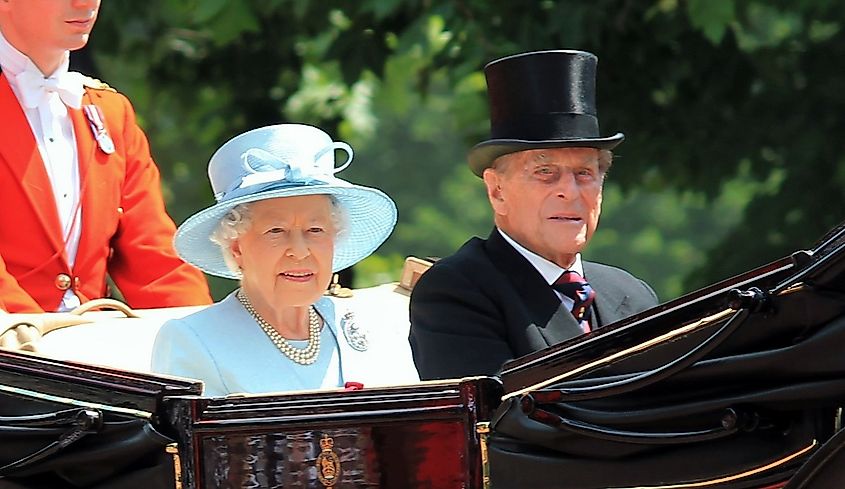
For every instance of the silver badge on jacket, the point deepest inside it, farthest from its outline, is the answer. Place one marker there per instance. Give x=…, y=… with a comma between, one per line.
x=355, y=335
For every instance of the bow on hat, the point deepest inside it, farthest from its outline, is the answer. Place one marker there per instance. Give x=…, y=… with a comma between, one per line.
x=264, y=170
x=35, y=88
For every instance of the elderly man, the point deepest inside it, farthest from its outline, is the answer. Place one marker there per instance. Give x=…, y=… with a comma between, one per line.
x=80, y=192
x=525, y=287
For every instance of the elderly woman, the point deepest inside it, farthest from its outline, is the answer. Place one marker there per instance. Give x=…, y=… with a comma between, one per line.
x=283, y=223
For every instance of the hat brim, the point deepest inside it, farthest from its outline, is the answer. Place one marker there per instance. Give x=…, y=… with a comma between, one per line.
x=483, y=154
x=370, y=218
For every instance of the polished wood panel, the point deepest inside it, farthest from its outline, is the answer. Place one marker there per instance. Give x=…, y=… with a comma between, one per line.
x=419, y=436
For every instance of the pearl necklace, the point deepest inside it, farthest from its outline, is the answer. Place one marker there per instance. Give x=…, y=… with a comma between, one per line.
x=302, y=356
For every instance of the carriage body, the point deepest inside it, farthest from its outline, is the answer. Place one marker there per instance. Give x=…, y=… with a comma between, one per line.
x=417, y=436
x=562, y=411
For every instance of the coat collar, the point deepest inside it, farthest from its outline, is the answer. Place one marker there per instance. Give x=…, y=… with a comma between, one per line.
x=239, y=315
x=355, y=365
x=91, y=165
x=19, y=150
x=553, y=321
x=612, y=300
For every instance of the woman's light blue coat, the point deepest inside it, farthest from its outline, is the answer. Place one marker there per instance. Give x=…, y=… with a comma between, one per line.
x=224, y=347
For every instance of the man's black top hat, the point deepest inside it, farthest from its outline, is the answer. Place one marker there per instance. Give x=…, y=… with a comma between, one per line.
x=541, y=99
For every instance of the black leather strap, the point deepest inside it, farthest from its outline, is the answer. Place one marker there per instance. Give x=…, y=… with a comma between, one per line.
x=79, y=422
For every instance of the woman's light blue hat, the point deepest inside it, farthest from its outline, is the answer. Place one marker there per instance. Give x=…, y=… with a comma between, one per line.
x=285, y=160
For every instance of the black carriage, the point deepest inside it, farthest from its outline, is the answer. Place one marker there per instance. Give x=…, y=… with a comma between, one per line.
x=738, y=385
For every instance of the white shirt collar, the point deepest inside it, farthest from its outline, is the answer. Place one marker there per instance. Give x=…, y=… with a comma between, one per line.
x=12, y=60
x=550, y=271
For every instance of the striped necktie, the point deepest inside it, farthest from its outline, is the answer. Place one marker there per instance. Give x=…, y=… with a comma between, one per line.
x=571, y=284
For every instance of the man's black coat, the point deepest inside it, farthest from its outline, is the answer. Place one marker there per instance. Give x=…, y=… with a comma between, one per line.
x=486, y=304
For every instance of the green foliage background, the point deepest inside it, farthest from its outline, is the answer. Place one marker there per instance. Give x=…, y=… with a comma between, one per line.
x=732, y=111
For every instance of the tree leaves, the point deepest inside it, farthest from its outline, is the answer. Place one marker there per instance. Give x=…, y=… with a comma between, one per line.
x=206, y=10
x=712, y=17
x=732, y=110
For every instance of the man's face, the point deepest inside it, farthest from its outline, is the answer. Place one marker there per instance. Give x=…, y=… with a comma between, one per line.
x=40, y=28
x=548, y=200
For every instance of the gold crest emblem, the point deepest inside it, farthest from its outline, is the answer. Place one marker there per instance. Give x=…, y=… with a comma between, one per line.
x=328, y=464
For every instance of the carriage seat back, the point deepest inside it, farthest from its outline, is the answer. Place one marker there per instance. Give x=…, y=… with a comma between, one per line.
x=123, y=338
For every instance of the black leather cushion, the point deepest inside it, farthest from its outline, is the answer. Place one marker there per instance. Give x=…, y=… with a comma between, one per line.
x=45, y=445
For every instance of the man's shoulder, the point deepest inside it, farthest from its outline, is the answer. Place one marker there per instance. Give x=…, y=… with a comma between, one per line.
x=594, y=268
x=617, y=279
x=470, y=264
x=471, y=253
x=608, y=273
x=103, y=94
x=95, y=84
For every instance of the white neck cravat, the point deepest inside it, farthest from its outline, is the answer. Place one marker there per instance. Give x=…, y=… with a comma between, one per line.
x=36, y=89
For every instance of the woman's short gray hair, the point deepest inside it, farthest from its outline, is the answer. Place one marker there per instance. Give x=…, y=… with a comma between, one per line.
x=239, y=218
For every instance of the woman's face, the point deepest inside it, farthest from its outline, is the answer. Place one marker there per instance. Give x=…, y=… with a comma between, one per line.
x=286, y=254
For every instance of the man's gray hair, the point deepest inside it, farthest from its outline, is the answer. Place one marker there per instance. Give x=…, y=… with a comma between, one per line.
x=605, y=160
x=239, y=218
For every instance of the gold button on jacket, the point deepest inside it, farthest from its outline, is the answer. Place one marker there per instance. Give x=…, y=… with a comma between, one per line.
x=63, y=281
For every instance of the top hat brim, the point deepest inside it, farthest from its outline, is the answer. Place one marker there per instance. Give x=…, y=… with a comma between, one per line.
x=370, y=218
x=482, y=155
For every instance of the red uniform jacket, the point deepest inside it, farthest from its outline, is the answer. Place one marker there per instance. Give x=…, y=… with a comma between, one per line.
x=125, y=229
